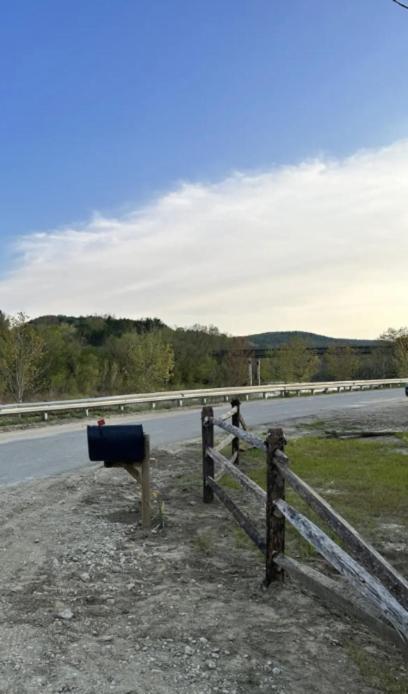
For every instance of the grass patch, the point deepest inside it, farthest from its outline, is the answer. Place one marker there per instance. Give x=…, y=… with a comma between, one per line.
x=188, y=481
x=316, y=424
x=377, y=673
x=364, y=480
x=229, y=482
x=367, y=480
x=204, y=542
x=242, y=542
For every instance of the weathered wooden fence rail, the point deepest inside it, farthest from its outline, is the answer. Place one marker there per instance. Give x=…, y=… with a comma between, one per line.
x=382, y=587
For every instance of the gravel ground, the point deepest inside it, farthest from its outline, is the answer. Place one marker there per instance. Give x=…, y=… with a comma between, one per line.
x=91, y=603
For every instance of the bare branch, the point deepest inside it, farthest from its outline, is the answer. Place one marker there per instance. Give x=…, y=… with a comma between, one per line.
x=401, y=4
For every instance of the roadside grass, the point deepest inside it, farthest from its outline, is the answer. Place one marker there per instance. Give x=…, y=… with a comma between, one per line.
x=204, y=541
x=383, y=677
x=314, y=425
x=366, y=481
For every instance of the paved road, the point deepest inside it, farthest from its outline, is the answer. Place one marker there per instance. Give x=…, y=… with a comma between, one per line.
x=47, y=451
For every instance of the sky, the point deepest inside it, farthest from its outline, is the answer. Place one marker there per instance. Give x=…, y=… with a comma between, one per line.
x=242, y=163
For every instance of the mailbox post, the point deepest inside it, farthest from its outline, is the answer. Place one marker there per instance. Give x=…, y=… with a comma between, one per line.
x=124, y=446
x=142, y=475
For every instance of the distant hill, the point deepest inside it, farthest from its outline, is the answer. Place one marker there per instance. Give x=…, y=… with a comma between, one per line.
x=277, y=339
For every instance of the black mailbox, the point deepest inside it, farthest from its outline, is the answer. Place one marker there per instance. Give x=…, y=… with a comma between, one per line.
x=115, y=444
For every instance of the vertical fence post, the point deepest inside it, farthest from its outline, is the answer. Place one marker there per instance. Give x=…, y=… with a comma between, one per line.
x=207, y=429
x=258, y=372
x=275, y=521
x=250, y=372
x=145, y=480
x=235, y=421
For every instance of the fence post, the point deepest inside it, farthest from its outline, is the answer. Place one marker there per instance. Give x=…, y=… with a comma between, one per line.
x=207, y=429
x=250, y=372
x=145, y=481
x=236, y=421
x=275, y=521
x=258, y=372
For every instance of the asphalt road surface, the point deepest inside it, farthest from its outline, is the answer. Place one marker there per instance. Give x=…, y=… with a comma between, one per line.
x=35, y=453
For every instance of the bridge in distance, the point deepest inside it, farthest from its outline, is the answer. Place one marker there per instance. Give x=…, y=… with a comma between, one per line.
x=262, y=352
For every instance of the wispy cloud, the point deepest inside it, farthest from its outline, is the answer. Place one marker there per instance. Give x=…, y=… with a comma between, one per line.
x=319, y=246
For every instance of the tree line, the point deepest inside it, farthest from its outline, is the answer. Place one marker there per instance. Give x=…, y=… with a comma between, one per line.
x=55, y=357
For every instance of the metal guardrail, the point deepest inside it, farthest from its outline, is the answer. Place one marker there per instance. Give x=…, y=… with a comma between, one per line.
x=179, y=397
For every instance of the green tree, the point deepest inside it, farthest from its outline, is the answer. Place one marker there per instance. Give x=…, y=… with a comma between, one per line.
x=234, y=365
x=398, y=338
x=195, y=351
x=21, y=350
x=341, y=363
x=139, y=363
x=292, y=362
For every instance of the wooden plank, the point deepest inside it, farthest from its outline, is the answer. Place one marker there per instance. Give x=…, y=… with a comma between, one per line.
x=369, y=586
x=358, y=434
x=244, y=522
x=221, y=472
x=207, y=429
x=233, y=458
x=224, y=442
x=254, y=441
x=242, y=422
x=132, y=470
x=145, y=482
x=235, y=423
x=361, y=550
x=237, y=474
x=335, y=594
x=275, y=521
x=230, y=413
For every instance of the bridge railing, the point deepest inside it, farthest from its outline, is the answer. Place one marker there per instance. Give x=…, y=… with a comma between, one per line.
x=179, y=397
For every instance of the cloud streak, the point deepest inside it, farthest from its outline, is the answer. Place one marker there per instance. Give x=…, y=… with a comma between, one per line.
x=320, y=246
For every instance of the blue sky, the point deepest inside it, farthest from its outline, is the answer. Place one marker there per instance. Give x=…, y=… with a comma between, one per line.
x=106, y=106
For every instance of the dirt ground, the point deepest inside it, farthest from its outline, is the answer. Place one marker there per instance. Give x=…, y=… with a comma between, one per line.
x=90, y=603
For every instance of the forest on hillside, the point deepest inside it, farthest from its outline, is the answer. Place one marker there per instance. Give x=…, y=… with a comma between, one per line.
x=56, y=357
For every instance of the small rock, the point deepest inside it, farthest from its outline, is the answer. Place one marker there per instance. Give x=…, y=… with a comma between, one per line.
x=188, y=650
x=65, y=614
x=84, y=577
x=106, y=638
x=211, y=664
x=276, y=671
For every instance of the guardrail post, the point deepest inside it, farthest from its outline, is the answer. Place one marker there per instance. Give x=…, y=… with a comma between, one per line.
x=207, y=429
x=236, y=421
x=275, y=521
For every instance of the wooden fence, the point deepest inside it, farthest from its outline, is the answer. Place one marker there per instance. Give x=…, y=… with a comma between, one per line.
x=383, y=591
